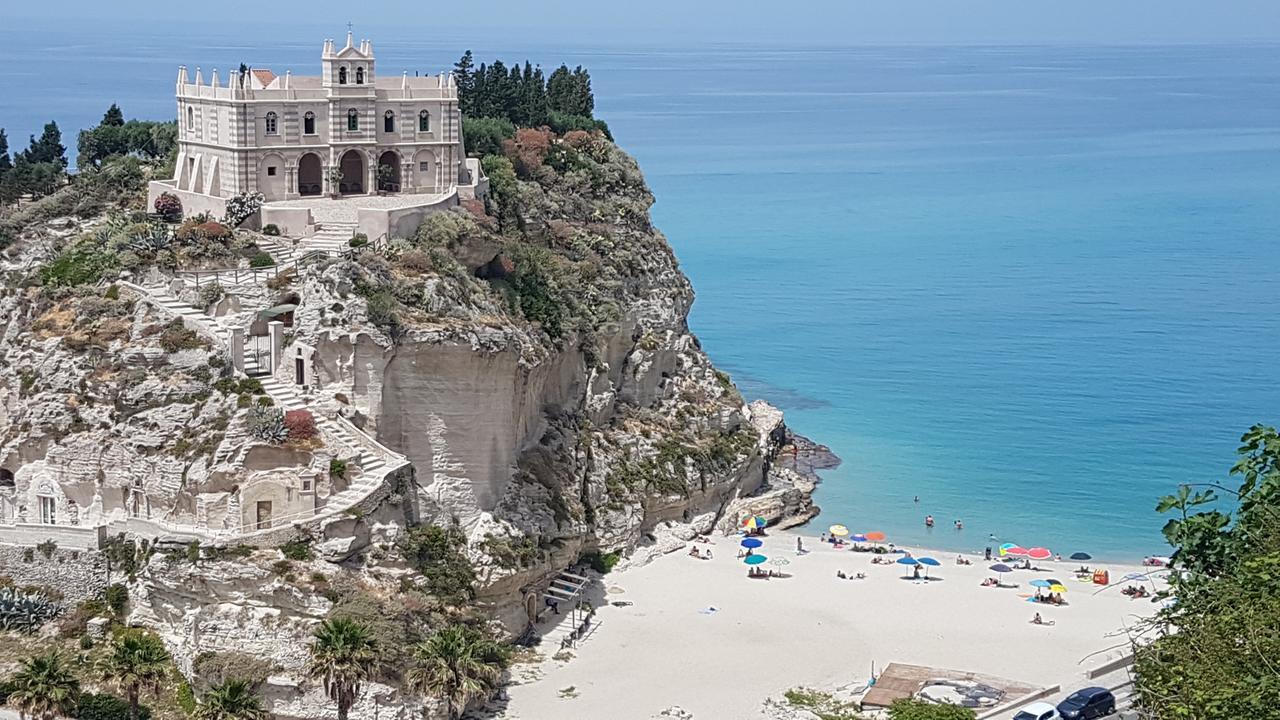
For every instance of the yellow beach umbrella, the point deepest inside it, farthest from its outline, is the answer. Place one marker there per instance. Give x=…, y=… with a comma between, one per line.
x=1058, y=588
x=839, y=530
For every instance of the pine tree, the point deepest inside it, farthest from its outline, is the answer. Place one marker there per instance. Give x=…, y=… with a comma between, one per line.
x=462, y=75
x=585, y=101
x=113, y=117
x=49, y=148
x=5, y=163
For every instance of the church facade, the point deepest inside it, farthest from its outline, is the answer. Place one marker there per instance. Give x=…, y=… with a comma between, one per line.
x=346, y=132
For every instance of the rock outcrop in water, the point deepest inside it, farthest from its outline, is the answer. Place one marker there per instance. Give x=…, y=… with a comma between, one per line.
x=529, y=356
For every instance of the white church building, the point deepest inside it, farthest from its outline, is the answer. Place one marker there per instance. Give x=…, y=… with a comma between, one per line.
x=347, y=132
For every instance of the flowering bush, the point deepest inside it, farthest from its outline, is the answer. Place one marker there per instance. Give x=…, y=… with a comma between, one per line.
x=169, y=207
x=241, y=207
x=301, y=425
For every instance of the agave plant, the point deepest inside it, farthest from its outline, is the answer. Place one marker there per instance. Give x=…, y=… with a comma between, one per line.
x=267, y=423
x=24, y=611
x=150, y=238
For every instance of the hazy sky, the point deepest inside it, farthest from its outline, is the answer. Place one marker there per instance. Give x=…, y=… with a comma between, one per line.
x=721, y=21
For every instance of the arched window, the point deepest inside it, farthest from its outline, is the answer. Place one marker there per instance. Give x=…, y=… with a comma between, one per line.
x=191, y=118
x=389, y=122
x=424, y=121
x=353, y=119
x=359, y=76
x=309, y=123
x=273, y=124
x=342, y=76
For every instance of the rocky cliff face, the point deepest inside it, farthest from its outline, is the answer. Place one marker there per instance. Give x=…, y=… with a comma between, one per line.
x=533, y=359
x=530, y=355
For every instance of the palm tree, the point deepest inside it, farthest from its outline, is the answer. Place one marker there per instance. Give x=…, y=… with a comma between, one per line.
x=44, y=688
x=457, y=664
x=135, y=660
x=344, y=654
x=232, y=700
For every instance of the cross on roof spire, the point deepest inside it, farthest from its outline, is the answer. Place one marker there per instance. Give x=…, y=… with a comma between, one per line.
x=348, y=26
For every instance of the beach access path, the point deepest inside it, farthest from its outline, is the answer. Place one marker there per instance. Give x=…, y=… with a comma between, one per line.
x=670, y=647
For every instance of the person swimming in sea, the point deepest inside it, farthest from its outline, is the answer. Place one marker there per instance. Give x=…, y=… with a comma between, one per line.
x=928, y=521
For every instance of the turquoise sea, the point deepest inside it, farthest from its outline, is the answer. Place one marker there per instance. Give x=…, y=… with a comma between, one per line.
x=1036, y=287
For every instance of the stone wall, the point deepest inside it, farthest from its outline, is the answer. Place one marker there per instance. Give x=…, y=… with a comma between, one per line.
x=77, y=574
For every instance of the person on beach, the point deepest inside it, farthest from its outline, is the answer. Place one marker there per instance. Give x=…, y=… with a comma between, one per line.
x=799, y=546
x=824, y=537
x=915, y=575
x=707, y=554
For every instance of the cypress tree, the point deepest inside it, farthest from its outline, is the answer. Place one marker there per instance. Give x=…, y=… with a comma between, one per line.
x=480, y=92
x=462, y=75
x=585, y=102
x=558, y=90
x=5, y=163
x=113, y=117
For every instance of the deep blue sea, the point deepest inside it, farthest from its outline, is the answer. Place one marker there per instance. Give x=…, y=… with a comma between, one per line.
x=1036, y=287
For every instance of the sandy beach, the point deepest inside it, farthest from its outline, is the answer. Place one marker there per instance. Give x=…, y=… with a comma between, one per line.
x=812, y=629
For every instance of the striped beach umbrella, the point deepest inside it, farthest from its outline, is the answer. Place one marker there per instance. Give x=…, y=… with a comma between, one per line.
x=838, y=530
x=755, y=522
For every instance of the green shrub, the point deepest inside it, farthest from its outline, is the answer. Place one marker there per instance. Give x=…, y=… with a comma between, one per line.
x=562, y=123
x=175, y=336
x=261, y=260
x=210, y=294
x=337, y=468
x=358, y=240
x=117, y=597
x=299, y=550
x=82, y=264
x=253, y=386
x=186, y=697
x=484, y=136
x=24, y=611
x=438, y=554
x=383, y=310
x=101, y=706
x=912, y=709
x=601, y=562
x=271, y=229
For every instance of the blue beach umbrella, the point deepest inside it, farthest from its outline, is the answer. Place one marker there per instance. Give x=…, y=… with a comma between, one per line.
x=1040, y=583
x=858, y=537
x=928, y=561
x=907, y=560
x=1001, y=568
x=755, y=559
x=752, y=543
x=1081, y=556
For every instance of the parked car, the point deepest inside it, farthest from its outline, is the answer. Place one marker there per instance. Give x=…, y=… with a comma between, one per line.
x=1038, y=711
x=1086, y=704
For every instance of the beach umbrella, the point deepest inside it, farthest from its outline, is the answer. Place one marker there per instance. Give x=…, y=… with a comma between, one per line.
x=752, y=542
x=1041, y=583
x=1001, y=568
x=1039, y=553
x=1015, y=551
x=928, y=561
x=838, y=530
x=875, y=536
x=858, y=537
x=1004, y=547
x=1081, y=556
x=907, y=560
x=755, y=522
x=755, y=559
x=1058, y=588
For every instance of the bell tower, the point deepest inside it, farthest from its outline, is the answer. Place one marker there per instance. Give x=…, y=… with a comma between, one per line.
x=350, y=67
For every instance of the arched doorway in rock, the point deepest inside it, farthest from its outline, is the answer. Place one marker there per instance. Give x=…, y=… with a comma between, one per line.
x=352, y=166
x=310, y=175
x=6, y=477
x=389, y=172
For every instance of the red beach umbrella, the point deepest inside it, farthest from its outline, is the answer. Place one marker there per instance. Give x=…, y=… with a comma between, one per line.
x=1016, y=551
x=1039, y=553
x=875, y=536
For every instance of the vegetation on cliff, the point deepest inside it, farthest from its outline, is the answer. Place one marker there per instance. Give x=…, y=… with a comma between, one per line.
x=1215, y=642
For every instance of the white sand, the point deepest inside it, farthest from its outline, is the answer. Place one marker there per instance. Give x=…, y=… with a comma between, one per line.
x=813, y=629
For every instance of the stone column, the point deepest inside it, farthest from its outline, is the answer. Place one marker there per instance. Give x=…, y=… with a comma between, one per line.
x=276, y=329
x=371, y=173
x=237, y=348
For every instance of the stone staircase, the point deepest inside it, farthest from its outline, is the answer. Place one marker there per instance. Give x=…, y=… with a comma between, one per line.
x=374, y=460
x=333, y=237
